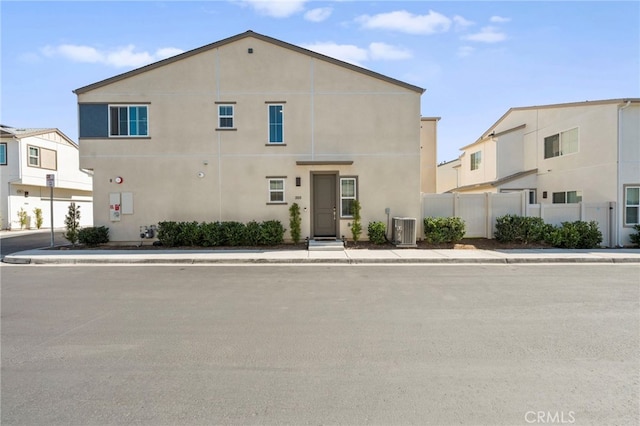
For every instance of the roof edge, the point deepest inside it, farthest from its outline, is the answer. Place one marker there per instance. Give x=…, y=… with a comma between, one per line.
x=241, y=36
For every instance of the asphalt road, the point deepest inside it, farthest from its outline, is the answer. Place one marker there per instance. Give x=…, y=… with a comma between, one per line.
x=30, y=241
x=351, y=345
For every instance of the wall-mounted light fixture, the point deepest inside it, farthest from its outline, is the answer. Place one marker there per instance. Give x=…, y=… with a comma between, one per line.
x=298, y=181
x=544, y=194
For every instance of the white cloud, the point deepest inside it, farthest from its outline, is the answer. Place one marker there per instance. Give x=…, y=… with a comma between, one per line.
x=464, y=51
x=357, y=55
x=120, y=57
x=499, y=19
x=385, y=51
x=461, y=23
x=276, y=8
x=345, y=52
x=406, y=22
x=318, y=15
x=487, y=35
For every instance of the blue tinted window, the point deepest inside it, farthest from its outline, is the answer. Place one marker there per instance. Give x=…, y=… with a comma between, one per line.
x=276, y=124
x=3, y=153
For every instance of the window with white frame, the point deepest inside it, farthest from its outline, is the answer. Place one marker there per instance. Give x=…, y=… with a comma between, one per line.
x=3, y=154
x=276, y=190
x=128, y=120
x=476, y=158
x=568, y=197
x=276, y=124
x=348, y=192
x=225, y=117
x=562, y=143
x=34, y=156
x=632, y=205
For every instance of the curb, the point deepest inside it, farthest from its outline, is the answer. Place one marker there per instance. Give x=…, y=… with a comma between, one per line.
x=25, y=260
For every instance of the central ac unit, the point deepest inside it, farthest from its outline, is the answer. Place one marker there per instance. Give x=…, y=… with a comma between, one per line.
x=404, y=232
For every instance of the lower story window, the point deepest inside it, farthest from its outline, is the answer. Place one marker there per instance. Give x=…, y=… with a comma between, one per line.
x=632, y=205
x=276, y=190
x=347, y=196
x=569, y=197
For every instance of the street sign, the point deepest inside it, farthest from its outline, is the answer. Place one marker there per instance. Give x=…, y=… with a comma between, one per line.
x=51, y=181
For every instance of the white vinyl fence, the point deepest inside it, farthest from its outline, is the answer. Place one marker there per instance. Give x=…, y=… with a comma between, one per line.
x=479, y=211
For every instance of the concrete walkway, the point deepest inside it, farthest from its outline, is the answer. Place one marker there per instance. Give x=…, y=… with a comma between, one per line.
x=349, y=256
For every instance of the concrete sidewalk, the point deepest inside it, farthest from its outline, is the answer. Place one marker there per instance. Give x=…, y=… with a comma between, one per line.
x=349, y=256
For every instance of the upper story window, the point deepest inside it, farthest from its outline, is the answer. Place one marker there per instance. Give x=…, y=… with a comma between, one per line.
x=3, y=154
x=347, y=196
x=276, y=124
x=476, y=158
x=42, y=158
x=129, y=120
x=34, y=156
x=562, y=143
x=632, y=205
x=569, y=197
x=225, y=117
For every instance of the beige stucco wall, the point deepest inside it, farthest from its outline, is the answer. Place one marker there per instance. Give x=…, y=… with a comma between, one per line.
x=428, y=154
x=331, y=114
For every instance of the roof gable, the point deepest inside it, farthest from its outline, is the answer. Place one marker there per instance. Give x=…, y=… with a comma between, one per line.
x=241, y=36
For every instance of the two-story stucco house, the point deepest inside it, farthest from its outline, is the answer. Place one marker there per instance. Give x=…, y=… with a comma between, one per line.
x=564, y=153
x=241, y=129
x=27, y=156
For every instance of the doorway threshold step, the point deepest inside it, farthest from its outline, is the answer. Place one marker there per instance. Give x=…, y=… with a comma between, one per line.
x=326, y=245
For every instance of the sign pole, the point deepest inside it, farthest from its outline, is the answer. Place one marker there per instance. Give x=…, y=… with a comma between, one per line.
x=51, y=182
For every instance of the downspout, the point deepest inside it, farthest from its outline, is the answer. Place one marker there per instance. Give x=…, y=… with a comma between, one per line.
x=620, y=215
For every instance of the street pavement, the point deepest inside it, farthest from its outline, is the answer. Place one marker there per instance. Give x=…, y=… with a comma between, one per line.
x=348, y=256
x=320, y=344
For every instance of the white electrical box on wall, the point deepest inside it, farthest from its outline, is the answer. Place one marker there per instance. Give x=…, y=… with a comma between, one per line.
x=126, y=203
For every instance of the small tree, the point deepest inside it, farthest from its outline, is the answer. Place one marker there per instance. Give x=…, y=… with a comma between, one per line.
x=22, y=217
x=72, y=223
x=356, y=226
x=294, y=222
x=38, y=213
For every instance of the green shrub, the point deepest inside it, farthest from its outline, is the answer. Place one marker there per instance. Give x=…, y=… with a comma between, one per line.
x=377, y=232
x=510, y=228
x=169, y=233
x=72, y=223
x=294, y=222
x=93, y=236
x=39, y=219
x=635, y=238
x=356, y=226
x=252, y=234
x=576, y=235
x=232, y=233
x=210, y=234
x=272, y=232
x=22, y=218
x=443, y=229
x=190, y=234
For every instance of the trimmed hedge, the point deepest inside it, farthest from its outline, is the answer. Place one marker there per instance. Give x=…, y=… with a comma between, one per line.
x=571, y=235
x=443, y=229
x=93, y=236
x=215, y=234
x=635, y=237
x=512, y=228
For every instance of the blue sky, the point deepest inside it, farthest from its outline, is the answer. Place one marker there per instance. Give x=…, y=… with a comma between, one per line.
x=475, y=59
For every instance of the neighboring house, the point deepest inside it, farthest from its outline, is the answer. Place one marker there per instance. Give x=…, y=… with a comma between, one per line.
x=447, y=176
x=241, y=129
x=564, y=153
x=27, y=156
